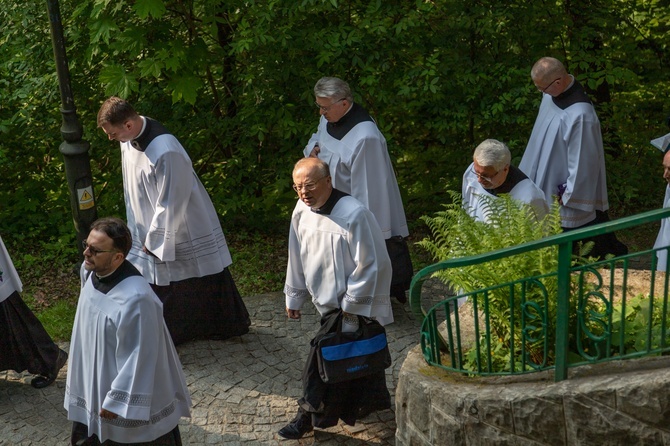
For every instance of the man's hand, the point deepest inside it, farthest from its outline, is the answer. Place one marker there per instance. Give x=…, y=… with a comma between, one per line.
x=315, y=151
x=293, y=314
x=104, y=413
x=144, y=248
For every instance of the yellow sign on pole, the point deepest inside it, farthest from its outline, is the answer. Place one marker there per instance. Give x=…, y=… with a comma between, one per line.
x=85, y=198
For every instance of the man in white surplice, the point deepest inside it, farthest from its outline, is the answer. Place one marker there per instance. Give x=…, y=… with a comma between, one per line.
x=349, y=140
x=663, y=238
x=124, y=380
x=565, y=155
x=178, y=243
x=337, y=257
x=491, y=174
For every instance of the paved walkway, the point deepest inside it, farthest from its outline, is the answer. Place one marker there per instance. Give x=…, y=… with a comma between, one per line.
x=243, y=389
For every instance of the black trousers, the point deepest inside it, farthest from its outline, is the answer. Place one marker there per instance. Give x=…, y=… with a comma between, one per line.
x=80, y=438
x=602, y=244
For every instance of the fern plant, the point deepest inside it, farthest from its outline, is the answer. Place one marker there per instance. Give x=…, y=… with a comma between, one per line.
x=510, y=222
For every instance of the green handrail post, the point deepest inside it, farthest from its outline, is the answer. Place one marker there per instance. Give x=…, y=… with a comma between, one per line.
x=563, y=310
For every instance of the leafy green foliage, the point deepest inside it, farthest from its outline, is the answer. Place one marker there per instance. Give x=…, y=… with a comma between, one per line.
x=233, y=81
x=644, y=320
x=455, y=234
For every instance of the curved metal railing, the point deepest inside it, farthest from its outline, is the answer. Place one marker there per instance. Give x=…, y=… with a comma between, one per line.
x=578, y=315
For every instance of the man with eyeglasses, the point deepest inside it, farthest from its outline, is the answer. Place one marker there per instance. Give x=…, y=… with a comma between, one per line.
x=338, y=260
x=125, y=383
x=178, y=243
x=491, y=175
x=24, y=343
x=349, y=140
x=565, y=155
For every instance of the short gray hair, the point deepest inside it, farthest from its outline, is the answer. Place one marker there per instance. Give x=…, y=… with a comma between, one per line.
x=333, y=87
x=313, y=163
x=492, y=153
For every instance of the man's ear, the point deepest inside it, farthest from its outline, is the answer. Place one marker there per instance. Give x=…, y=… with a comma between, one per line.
x=119, y=257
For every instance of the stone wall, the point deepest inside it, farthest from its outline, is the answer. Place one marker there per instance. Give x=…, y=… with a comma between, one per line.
x=616, y=403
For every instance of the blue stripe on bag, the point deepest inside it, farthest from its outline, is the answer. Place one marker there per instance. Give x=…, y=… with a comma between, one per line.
x=353, y=349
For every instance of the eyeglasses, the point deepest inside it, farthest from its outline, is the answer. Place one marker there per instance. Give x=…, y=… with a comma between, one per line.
x=483, y=178
x=309, y=187
x=544, y=90
x=324, y=108
x=93, y=250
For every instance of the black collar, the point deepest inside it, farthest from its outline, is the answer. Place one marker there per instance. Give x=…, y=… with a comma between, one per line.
x=327, y=208
x=355, y=116
x=152, y=129
x=571, y=96
x=105, y=284
x=514, y=177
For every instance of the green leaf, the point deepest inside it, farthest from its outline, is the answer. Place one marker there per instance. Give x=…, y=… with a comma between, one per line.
x=117, y=81
x=150, y=67
x=102, y=29
x=145, y=8
x=185, y=88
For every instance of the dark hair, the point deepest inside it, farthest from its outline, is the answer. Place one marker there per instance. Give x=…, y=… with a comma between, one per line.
x=116, y=229
x=115, y=111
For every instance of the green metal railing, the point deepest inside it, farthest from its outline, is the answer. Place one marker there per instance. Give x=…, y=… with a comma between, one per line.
x=582, y=309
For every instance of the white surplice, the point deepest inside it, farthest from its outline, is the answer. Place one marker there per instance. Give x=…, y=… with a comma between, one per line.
x=169, y=211
x=340, y=260
x=566, y=148
x=663, y=238
x=525, y=191
x=9, y=278
x=361, y=167
x=122, y=359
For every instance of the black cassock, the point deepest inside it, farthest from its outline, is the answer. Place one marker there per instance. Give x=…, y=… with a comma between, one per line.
x=24, y=343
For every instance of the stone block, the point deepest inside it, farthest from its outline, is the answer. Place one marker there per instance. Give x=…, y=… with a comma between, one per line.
x=588, y=423
x=418, y=408
x=648, y=400
x=541, y=419
x=481, y=434
x=445, y=430
x=490, y=410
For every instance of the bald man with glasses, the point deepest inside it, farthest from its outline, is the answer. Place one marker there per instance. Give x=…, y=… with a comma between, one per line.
x=565, y=155
x=338, y=261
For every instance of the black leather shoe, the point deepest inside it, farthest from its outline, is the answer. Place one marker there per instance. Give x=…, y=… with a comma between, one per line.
x=297, y=428
x=40, y=382
x=398, y=291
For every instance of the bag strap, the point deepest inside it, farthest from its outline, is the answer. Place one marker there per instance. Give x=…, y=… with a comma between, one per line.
x=331, y=321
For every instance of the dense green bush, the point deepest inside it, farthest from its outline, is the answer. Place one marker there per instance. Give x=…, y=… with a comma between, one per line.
x=233, y=80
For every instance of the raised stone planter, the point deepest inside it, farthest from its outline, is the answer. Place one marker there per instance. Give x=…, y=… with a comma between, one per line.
x=616, y=403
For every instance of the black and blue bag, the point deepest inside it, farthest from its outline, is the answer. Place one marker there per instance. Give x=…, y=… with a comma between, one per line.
x=346, y=356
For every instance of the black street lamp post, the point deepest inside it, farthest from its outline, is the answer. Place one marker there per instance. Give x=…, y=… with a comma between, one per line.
x=73, y=148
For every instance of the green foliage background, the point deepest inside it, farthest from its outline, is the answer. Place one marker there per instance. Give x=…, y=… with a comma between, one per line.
x=233, y=80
